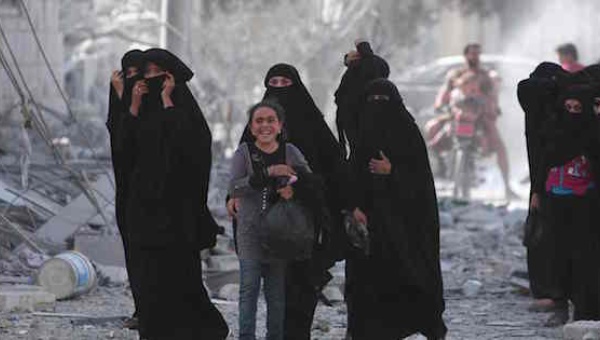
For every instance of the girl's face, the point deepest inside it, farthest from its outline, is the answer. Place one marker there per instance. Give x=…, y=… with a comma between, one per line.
x=279, y=81
x=153, y=70
x=265, y=126
x=131, y=72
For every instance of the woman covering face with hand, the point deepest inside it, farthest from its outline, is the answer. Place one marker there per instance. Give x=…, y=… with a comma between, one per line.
x=167, y=217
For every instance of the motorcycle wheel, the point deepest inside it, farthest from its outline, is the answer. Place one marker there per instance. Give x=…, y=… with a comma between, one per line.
x=461, y=174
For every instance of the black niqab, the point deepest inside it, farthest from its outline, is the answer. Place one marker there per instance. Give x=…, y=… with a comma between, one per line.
x=537, y=95
x=169, y=62
x=565, y=135
x=351, y=89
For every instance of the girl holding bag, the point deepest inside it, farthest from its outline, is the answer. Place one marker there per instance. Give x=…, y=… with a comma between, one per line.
x=263, y=172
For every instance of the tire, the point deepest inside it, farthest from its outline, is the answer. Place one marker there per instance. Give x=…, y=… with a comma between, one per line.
x=461, y=174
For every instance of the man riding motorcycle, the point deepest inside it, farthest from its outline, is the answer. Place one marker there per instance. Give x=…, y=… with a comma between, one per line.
x=481, y=84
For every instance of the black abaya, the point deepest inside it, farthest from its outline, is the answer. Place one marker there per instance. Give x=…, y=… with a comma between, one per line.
x=169, y=222
x=536, y=96
x=572, y=218
x=397, y=289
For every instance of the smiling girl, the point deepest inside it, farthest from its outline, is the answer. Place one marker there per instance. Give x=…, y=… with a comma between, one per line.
x=263, y=171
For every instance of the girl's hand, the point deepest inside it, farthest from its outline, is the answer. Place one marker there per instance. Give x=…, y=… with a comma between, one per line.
x=232, y=206
x=286, y=192
x=380, y=167
x=280, y=170
x=116, y=80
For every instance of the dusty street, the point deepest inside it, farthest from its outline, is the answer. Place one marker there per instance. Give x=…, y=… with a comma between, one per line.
x=480, y=242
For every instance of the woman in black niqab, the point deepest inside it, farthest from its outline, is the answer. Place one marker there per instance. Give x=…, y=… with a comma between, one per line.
x=537, y=95
x=397, y=288
x=566, y=176
x=351, y=89
x=306, y=128
x=169, y=222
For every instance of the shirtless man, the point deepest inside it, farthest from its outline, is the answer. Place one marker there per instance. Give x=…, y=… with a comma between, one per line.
x=488, y=90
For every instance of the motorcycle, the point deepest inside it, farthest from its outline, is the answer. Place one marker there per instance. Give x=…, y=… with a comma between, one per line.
x=455, y=139
x=466, y=145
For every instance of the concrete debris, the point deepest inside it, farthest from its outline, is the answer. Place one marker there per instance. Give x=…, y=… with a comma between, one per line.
x=102, y=249
x=224, y=263
x=78, y=213
x=333, y=294
x=581, y=330
x=471, y=288
x=111, y=275
x=25, y=298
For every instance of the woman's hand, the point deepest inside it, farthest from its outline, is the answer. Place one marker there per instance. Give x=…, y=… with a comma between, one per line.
x=117, y=82
x=535, y=202
x=351, y=57
x=380, y=167
x=232, y=206
x=286, y=192
x=360, y=216
x=139, y=90
x=280, y=170
x=167, y=89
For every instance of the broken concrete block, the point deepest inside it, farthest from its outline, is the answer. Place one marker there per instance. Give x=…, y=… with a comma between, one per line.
x=23, y=298
x=106, y=250
x=581, y=330
x=229, y=292
x=78, y=213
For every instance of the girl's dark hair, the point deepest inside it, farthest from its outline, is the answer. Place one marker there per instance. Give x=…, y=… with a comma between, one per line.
x=467, y=48
x=274, y=105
